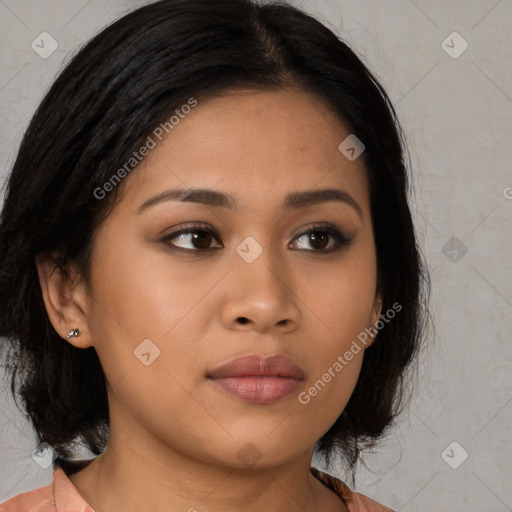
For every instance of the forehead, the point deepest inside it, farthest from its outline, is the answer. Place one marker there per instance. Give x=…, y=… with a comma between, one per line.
x=255, y=145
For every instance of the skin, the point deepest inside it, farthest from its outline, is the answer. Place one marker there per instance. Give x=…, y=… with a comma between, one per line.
x=174, y=436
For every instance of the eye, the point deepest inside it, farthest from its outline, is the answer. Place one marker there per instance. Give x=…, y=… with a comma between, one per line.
x=323, y=238
x=200, y=237
x=193, y=238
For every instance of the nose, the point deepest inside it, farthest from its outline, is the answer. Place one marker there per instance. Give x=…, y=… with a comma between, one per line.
x=260, y=296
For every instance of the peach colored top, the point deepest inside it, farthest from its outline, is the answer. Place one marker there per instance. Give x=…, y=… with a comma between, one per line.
x=62, y=496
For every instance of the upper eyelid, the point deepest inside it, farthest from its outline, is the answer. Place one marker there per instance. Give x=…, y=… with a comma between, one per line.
x=189, y=228
x=205, y=227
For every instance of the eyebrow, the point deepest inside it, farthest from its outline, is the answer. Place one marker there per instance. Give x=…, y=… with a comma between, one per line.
x=214, y=198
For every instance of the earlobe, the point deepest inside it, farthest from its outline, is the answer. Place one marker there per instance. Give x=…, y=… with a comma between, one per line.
x=377, y=309
x=63, y=296
x=376, y=312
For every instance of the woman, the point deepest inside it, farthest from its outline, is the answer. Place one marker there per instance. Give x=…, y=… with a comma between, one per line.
x=208, y=264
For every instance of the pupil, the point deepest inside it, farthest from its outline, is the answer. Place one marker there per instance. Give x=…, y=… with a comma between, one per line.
x=319, y=240
x=199, y=238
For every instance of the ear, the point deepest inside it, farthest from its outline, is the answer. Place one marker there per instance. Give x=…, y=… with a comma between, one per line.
x=65, y=299
x=376, y=311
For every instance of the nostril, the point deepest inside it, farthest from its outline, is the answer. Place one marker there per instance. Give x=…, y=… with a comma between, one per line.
x=242, y=319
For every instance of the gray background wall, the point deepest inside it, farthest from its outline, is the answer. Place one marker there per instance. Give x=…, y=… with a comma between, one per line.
x=456, y=108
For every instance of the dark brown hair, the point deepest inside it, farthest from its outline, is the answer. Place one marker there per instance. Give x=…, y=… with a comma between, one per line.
x=121, y=85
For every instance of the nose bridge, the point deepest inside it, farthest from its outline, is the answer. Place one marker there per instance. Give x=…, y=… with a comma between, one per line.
x=262, y=259
x=259, y=290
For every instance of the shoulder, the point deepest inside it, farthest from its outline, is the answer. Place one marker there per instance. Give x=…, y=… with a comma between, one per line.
x=38, y=500
x=354, y=501
x=59, y=496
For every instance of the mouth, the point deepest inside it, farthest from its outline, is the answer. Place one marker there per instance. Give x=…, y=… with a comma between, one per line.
x=258, y=380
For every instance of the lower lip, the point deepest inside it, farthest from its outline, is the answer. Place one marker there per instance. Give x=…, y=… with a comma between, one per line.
x=260, y=390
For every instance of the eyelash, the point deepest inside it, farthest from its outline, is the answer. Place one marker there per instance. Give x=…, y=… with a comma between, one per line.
x=340, y=239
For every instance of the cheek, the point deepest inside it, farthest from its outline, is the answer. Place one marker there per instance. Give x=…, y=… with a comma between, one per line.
x=329, y=388
x=341, y=296
x=137, y=295
x=343, y=306
x=141, y=291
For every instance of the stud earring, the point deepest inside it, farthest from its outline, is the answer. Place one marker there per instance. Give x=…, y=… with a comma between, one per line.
x=73, y=333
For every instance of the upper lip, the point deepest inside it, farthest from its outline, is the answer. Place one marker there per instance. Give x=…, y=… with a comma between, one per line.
x=251, y=365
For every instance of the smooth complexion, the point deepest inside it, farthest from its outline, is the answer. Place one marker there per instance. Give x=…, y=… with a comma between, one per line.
x=174, y=435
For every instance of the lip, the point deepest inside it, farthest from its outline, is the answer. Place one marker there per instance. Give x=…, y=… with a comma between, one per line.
x=259, y=379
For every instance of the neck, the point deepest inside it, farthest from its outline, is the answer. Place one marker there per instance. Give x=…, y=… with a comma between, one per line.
x=131, y=477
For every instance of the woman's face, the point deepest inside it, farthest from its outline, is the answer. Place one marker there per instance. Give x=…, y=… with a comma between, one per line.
x=260, y=273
